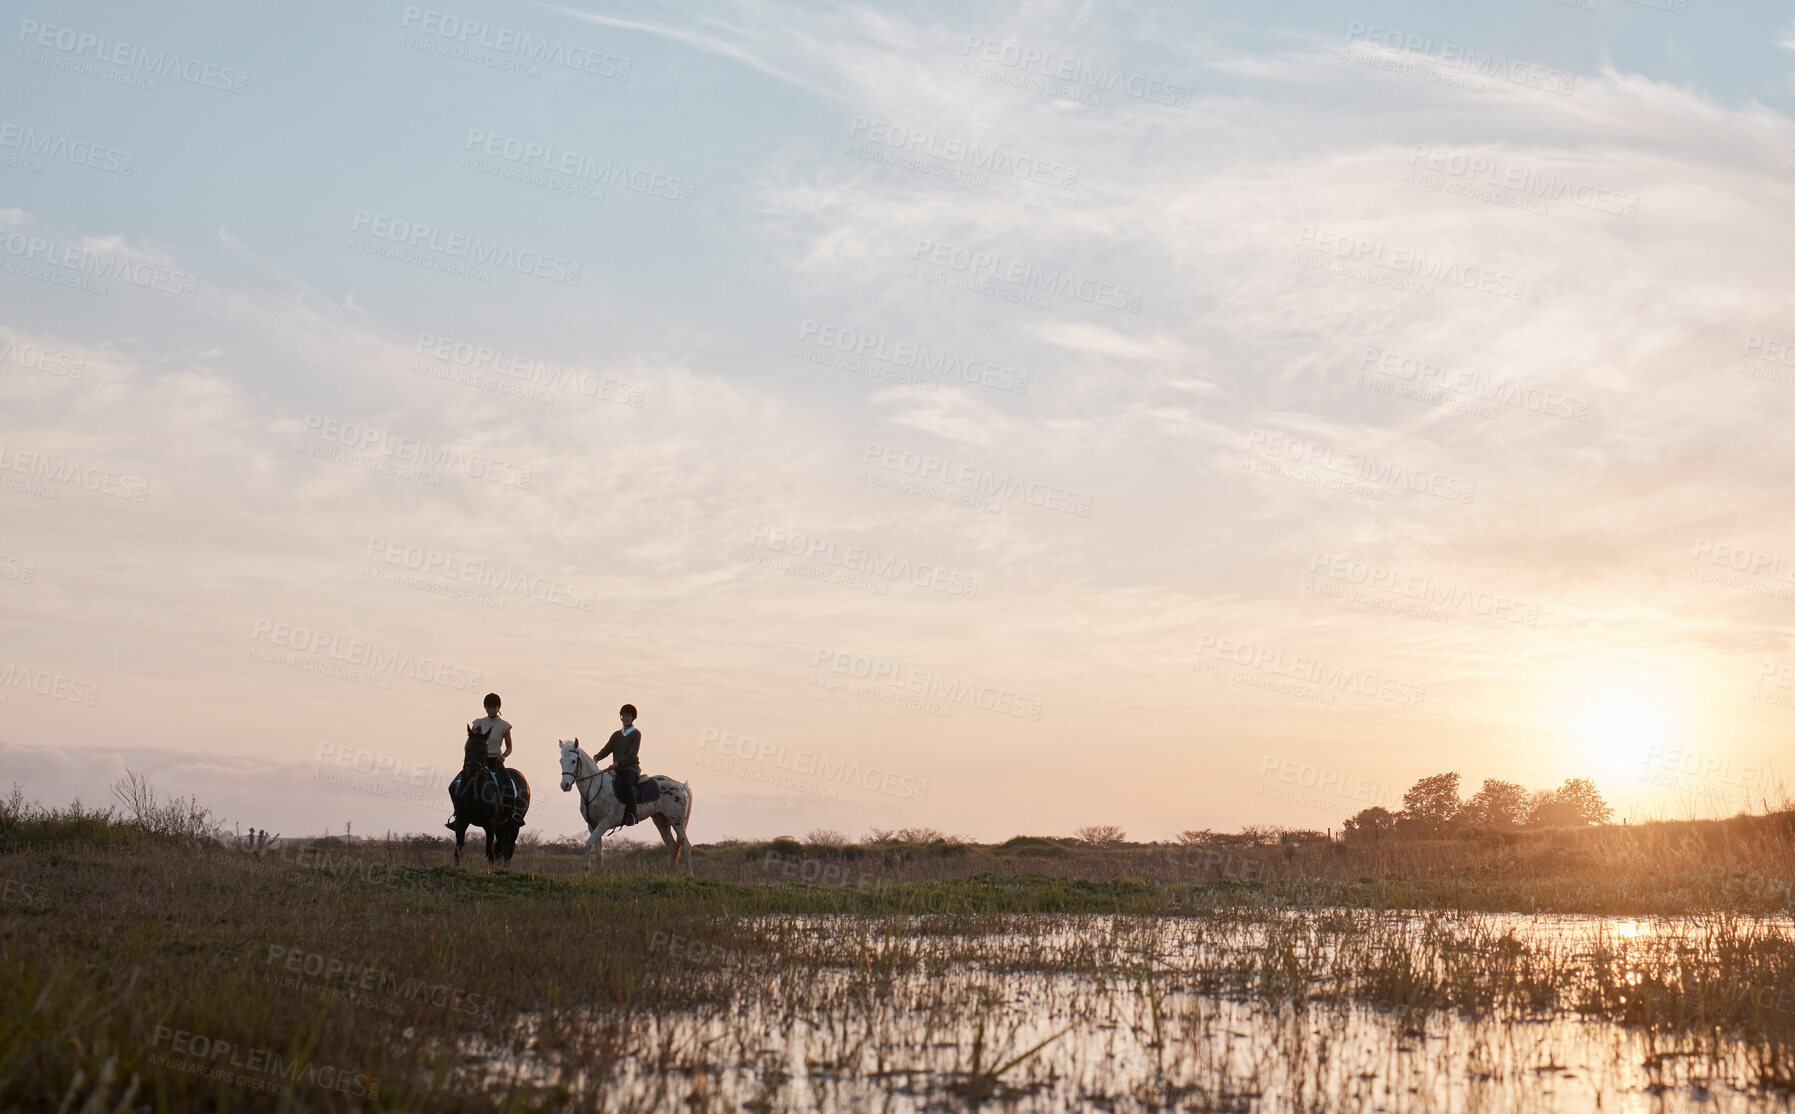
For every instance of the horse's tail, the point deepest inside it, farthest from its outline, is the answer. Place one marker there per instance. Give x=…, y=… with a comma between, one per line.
x=686, y=821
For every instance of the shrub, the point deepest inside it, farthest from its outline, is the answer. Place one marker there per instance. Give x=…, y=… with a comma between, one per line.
x=182, y=818
x=1101, y=835
x=1039, y=846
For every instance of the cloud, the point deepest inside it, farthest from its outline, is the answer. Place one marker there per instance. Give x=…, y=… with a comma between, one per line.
x=1306, y=369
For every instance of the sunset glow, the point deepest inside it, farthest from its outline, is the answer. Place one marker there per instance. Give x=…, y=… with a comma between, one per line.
x=914, y=412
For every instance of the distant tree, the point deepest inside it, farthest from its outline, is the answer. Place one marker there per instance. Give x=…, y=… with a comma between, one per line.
x=826, y=837
x=1545, y=810
x=1498, y=804
x=918, y=835
x=1582, y=800
x=1196, y=837
x=1431, y=802
x=1372, y=823
x=1101, y=835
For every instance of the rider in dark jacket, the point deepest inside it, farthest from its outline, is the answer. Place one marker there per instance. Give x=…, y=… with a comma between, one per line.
x=626, y=764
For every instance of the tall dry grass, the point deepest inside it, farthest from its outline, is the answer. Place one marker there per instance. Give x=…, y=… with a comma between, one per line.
x=336, y=965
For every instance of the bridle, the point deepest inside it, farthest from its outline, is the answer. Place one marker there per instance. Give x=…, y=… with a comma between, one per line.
x=597, y=772
x=585, y=801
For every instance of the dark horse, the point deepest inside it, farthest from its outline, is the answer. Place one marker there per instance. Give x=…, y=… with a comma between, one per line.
x=480, y=801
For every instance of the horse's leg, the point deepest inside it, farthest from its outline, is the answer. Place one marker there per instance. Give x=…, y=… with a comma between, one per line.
x=667, y=837
x=685, y=816
x=460, y=837
x=592, y=841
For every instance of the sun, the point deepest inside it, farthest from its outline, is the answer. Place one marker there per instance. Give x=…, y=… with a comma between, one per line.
x=1622, y=727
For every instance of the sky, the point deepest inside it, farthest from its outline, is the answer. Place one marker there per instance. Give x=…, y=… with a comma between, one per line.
x=991, y=418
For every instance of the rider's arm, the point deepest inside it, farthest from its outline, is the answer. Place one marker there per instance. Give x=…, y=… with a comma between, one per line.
x=609, y=747
x=505, y=752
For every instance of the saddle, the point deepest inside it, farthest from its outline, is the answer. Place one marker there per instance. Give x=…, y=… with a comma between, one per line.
x=481, y=784
x=477, y=781
x=647, y=789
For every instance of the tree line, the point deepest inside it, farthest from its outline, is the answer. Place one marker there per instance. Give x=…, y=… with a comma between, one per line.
x=1432, y=807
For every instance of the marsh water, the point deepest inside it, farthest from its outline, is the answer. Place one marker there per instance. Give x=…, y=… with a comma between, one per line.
x=1267, y=1011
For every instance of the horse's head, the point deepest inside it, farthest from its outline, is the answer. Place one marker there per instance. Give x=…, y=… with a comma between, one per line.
x=570, y=762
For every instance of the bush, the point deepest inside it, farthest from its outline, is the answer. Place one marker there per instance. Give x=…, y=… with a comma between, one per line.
x=183, y=818
x=1101, y=835
x=25, y=825
x=1038, y=846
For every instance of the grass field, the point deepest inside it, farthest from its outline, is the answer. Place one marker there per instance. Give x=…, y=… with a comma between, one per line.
x=151, y=969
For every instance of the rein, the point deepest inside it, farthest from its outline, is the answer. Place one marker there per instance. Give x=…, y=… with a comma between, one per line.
x=596, y=772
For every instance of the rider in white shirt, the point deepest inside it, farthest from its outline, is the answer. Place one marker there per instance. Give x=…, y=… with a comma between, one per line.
x=498, y=745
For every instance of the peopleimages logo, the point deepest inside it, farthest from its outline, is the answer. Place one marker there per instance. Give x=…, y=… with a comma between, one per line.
x=20, y=569
x=1473, y=385
x=1275, y=446
x=527, y=370
x=1326, y=677
x=38, y=358
x=441, y=458
x=1524, y=180
x=863, y=560
x=914, y=357
x=360, y=760
x=32, y=144
x=974, y=156
x=468, y=39
x=49, y=470
x=1456, y=597
x=1028, y=277
x=461, y=569
x=22, y=678
x=255, y=1068
x=1409, y=261
x=924, y=466
x=1060, y=67
x=549, y=159
x=371, y=660
x=100, y=265
x=161, y=63
x=469, y=250
x=1453, y=56
x=925, y=683
x=810, y=763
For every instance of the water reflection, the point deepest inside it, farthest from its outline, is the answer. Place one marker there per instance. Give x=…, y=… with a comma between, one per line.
x=1261, y=1011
